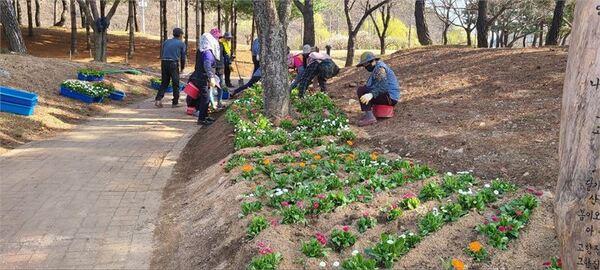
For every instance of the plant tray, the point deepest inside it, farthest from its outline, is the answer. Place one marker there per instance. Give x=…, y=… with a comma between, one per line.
x=117, y=95
x=79, y=96
x=19, y=97
x=89, y=78
x=156, y=86
x=16, y=108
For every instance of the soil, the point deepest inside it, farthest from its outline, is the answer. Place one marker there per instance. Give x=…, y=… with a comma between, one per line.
x=55, y=113
x=493, y=111
x=453, y=114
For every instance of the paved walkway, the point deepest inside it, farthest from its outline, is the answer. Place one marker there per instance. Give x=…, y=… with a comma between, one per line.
x=89, y=198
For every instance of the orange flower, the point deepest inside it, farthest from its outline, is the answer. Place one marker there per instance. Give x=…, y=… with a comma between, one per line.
x=350, y=157
x=266, y=162
x=247, y=168
x=475, y=246
x=349, y=142
x=374, y=156
x=301, y=164
x=458, y=264
x=317, y=157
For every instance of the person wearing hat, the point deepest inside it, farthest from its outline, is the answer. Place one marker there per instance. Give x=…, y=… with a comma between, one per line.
x=321, y=66
x=219, y=69
x=382, y=87
x=297, y=63
x=173, y=52
x=227, y=57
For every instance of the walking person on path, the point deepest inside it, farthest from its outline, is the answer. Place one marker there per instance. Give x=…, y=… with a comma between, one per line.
x=204, y=75
x=173, y=52
x=382, y=87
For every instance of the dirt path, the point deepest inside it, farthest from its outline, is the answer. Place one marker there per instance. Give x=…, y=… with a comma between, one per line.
x=90, y=197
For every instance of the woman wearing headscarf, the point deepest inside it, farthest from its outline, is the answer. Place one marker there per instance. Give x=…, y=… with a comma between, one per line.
x=219, y=71
x=204, y=75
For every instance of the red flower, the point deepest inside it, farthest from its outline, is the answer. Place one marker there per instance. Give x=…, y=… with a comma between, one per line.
x=538, y=193
x=495, y=218
x=346, y=228
x=285, y=204
x=502, y=229
x=547, y=263
x=509, y=228
x=486, y=222
x=274, y=222
x=300, y=204
x=559, y=262
x=519, y=213
x=263, y=248
x=315, y=205
x=321, y=238
x=409, y=195
x=365, y=214
x=321, y=196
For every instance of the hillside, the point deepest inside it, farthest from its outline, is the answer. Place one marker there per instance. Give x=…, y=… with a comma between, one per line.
x=454, y=117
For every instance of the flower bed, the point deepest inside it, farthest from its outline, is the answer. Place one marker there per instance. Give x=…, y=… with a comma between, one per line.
x=85, y=91
x=303, y=168
x=90, y=75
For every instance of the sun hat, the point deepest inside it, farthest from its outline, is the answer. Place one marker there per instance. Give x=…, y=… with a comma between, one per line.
x=365, y=58
x=306, y=49
x=227, y=35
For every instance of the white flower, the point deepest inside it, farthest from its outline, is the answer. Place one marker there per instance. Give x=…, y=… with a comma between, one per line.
x=487, y=185
x=322, y=264
x=354, y=252
x=251, y=195
x=285, y=190
x=271, y=195
x=449, y=173
x=390, y=242
x=403, y=236
x=496, y=192
x=411, y=234
x=336, y=264
x=460, y=191
x=278, y=193
x=435, y=211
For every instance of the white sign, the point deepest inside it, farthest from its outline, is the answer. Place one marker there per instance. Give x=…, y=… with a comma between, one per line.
x=143, y=3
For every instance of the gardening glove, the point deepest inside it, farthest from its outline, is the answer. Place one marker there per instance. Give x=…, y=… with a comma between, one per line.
x=366, y=98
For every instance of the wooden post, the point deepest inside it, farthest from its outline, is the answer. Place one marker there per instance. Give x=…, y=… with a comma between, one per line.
x=577, y=204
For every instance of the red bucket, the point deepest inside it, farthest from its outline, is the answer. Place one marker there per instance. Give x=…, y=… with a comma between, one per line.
x=383, y=111
x=190, y=110
x=191, y=90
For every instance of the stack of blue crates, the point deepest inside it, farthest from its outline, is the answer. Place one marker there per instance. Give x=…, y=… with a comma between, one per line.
x=17, y=101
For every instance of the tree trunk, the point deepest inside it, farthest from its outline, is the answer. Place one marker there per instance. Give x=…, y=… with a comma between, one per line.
x=131, y=20
x=235, y=26
x=445, y=34
x=83, y=19
x=203, y=23
x=382, y=45
x=37, y=13
x=469, y=40
x=164, y=12
x=552, y=37
x=135, y=18
x=63, y=16
x=198, y=34
x=219, y=14
x=564, y=39
x=54, y=13
x=541, y=33
x=99, y=46
x=186, y=16
x=272, y=23
x=421, y=23
x=73, y=27
x=524, y=41
x=350, y=48
x=482, y=41
x=11, y=27
x=29, y=19
x=308, y=17
x=253, y=28
x=19, y=18
x=577, y=206
x=534, y=43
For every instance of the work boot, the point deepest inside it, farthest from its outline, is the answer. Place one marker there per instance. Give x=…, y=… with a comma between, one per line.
x=367, y=119
x=158, y=103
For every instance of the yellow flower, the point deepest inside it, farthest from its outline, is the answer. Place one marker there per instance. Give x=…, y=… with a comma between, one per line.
x=349, y=142
x=350, y=157
x=301, y=164
x=475, y=246
x=317, y=157
x=247, y=168
x=266, y=162
x=374, y=156
x=458, y=264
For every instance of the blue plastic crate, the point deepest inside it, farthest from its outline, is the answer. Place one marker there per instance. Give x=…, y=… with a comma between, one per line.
x=156, y=86
x=19, y=97
x=74, y=95
x=89, y=78
x=16, y=108
x=117, y=95
x=225, y=95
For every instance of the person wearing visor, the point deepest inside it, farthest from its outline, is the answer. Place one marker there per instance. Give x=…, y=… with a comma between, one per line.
x=382, y=88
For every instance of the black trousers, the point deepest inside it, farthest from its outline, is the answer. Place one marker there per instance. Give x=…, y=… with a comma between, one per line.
x=203, y=100
x=169, y=74
x=227, y=74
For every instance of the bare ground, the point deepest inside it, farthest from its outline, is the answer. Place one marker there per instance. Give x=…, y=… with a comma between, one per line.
x=493, y=111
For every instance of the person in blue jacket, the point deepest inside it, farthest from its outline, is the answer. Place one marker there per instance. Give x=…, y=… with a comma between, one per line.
x=382, y=87
x=173, y=52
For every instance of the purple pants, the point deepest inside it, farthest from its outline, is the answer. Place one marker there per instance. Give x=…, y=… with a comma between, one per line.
x=381, y=99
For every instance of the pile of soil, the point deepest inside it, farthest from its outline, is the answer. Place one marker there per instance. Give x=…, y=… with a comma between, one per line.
x=453, y=114
x=55, y=113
